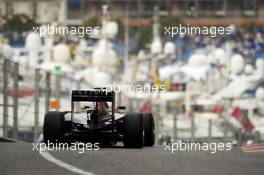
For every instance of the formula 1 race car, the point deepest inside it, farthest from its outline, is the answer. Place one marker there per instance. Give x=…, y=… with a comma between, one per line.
x=98, y=120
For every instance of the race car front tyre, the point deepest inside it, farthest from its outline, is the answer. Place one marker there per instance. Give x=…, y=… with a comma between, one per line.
x=133, y=130
x=149, y=134
x=53, y=129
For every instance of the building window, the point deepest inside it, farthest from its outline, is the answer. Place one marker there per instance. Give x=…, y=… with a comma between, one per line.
x=249, y=8
x=234, y=8
x=220, y=7
x=191, y=8
x=74, y=9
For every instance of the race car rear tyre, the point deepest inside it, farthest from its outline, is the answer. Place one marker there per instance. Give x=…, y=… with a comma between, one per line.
x=53, y=129
x=133, y=130
x=149, y=134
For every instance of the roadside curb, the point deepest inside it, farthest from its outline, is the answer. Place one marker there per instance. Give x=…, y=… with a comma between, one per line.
x=4, y=139
x=255, y=148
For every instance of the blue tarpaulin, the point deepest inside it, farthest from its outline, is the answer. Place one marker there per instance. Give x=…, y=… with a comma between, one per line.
x=74, y=2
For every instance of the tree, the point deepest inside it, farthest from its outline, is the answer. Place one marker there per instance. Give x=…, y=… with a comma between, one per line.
x=145, y=35
x=19, y=23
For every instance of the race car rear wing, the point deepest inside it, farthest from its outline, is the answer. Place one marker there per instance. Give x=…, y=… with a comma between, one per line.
x=92, y=95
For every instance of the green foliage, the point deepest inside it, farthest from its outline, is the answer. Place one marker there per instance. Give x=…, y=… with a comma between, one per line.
x=145, y=35
x=168, y=22
x=19, y=23
x=121, y=28
x=96, y=22
x=92, y=22
x=248, y=27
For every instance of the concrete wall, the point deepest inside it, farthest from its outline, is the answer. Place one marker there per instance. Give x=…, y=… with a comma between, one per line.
x=23, y=7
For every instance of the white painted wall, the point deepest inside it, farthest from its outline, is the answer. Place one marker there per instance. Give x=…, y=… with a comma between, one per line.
x=23, y=7
x=47, y=11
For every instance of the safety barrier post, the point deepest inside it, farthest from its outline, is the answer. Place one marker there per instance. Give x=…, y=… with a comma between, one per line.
x=209, y=130
x=5, y=97
x=36, y=102
x=192, y=127
x=225, y=130
x=48, y=92
x=157, y=122
x=58, y=89
x=240, y=139
x=78, y=84
x=15, y=100
x=175, y=127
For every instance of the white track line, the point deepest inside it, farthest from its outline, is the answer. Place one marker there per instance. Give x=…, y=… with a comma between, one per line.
x=67, y=166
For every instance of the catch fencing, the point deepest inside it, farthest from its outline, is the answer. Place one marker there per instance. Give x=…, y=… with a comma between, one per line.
x=26, y=94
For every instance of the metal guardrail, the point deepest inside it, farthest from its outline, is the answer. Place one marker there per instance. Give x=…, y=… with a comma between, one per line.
x=25, y=96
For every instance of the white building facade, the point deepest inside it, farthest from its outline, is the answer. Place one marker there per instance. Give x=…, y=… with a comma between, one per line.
x=42, y=11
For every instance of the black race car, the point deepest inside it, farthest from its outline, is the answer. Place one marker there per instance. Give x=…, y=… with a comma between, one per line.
x=98, y=120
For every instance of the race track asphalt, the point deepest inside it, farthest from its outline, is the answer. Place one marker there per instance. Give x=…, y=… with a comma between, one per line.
x=19, y=158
